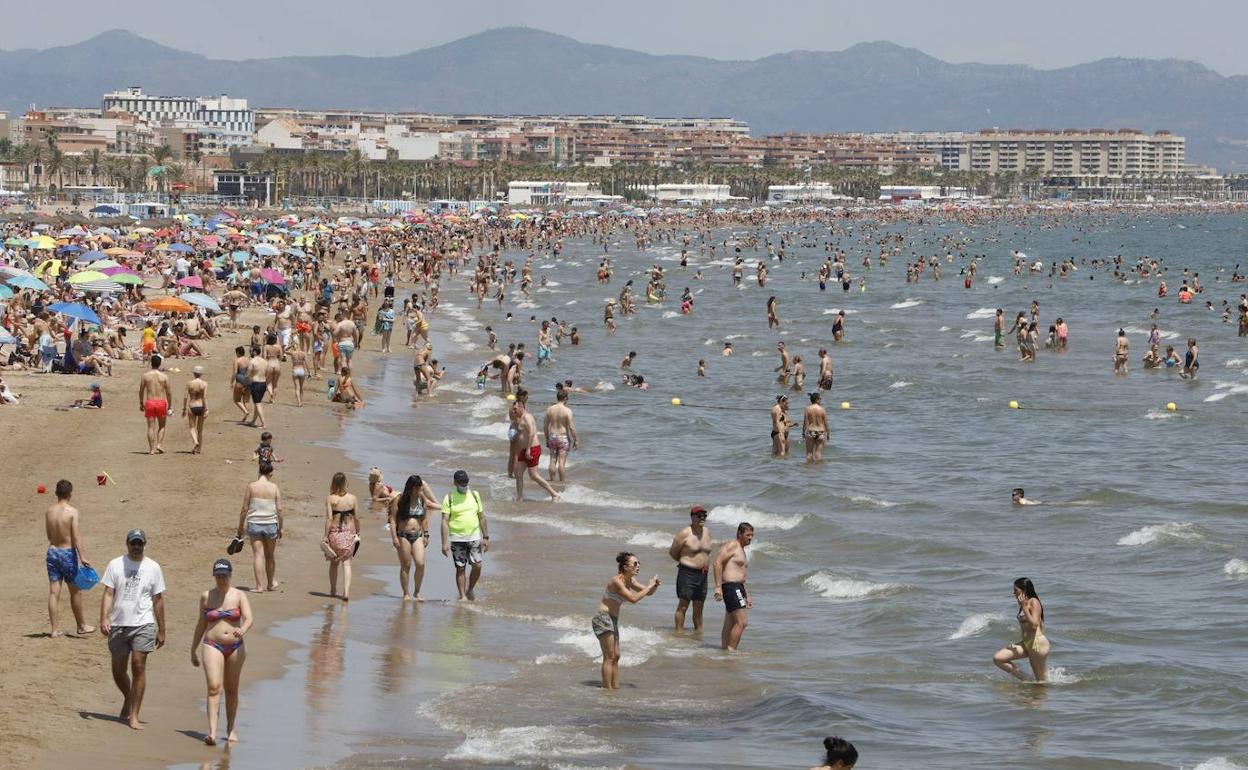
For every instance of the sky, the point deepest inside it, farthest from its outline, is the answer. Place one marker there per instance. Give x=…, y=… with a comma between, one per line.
x=1044, y=33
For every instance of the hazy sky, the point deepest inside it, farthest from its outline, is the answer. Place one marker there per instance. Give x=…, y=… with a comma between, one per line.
x=1043, y=33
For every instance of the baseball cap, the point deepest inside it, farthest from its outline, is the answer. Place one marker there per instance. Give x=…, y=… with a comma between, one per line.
x=697, y=510
x=136, y=534
x=222, y=567
x=461, y=477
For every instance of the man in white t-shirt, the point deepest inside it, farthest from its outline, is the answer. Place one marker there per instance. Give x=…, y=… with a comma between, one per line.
x=132, y=616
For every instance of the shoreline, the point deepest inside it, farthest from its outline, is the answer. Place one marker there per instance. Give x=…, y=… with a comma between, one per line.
x=75, y=728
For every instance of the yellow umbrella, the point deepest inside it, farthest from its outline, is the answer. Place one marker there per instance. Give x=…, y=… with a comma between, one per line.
x=49, y=266
x=42, y=242
x=116, y=251
x=86, y=276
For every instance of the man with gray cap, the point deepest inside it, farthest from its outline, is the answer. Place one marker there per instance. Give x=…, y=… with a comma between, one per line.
x=465, y=533
x=132, y=616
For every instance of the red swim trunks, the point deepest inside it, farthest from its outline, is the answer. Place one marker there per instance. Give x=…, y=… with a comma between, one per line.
x=530, y=456
x=155, y=407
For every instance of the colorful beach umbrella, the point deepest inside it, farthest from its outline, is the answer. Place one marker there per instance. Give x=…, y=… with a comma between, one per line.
x=202, y=300
x=75, y=310
x=272, y=276
x=86, y=276
x=170, y=305
x=193, y=281
x=27, y=282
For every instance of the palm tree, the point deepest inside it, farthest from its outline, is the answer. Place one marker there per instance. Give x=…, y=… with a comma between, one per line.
x=94, y=157
x=73, y=163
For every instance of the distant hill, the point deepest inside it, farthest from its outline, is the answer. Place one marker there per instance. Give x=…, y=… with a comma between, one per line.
x=869, y=87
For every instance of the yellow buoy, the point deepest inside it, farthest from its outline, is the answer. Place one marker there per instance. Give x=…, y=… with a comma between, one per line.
x=675, y=402
x=1170, y=407
x=511, y=396
x=1013, y=404
x=844, y=404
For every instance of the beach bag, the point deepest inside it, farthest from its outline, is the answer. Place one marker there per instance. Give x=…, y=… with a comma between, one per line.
x=86, y=578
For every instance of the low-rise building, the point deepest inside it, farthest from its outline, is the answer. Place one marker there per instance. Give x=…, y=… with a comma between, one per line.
x=810, y=192
x=548, y=193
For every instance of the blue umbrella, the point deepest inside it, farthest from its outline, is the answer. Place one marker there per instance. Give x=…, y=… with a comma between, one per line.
x=241, y=256
x=75, y=310
x=265, y=250
x=182, y=248
x=203, y=300
x=91, y=256
x=105, y=210
x=28, y=282
x=5, y=292
x=70, y=248
x=294, y=252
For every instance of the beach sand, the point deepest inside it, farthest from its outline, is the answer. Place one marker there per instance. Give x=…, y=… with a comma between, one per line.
x=61, y=704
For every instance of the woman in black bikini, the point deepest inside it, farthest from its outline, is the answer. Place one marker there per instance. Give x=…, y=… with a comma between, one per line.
x=342, y=533
x=409, y=531
x=224, y=618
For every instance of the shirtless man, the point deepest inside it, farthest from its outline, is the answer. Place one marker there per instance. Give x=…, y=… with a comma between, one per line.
x=691, y=550
x=1120, y=353
x=238, y=376
x=64, y=557
x=825, y=370
x=730, y=569
x=195, y=407
x=560, y=435
x=154, y=399
x=530, y=450
x=305, y=312
x=257, y=369
x=815, y=429
x=780, y=427
x=344, y=336
x=783, y=368
x=998, y=330
x=1018, y=497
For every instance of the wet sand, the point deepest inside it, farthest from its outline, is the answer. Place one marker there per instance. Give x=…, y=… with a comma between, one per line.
x=61, y=704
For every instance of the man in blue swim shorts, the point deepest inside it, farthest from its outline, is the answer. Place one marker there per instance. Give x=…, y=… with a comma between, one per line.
x=63, y=557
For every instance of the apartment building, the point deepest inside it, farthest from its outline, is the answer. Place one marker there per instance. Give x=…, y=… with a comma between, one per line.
x=229, y=121
x=1095, y=152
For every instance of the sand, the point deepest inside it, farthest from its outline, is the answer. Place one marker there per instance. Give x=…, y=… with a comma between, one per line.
x=60, y=703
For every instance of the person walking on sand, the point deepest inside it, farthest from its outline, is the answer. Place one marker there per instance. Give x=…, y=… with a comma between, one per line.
x=409, y=531
x=224, y=617
x=465, y=534
x=622, y=587
x=195, y=407
x=560, y=430
x=132, y=617
x=530, y=453
x=257, y=370
x=261, y=517
x=342, y=533
x=730, y=569
x=155, y=397
x=1034, y=645
x=691, y=550
x=64, y=558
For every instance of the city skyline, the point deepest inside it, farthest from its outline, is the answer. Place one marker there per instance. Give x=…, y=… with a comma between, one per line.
x=966, y=31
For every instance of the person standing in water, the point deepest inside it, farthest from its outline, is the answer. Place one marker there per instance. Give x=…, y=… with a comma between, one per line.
x=691, y=550
x=623, y=587
x=465, y=534
x=815, y=429
x=730, y=568
x=1034, y=645
x=780, y=426
x=560, y=430
x=839, y=754
x=1120, y=353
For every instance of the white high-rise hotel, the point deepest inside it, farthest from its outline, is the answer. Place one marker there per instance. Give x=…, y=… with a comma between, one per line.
x=1072, y=152
x=230, y=119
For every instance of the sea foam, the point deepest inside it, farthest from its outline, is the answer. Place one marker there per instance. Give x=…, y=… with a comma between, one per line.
x=975, y=625
x=846, y=589
x=1172, y=530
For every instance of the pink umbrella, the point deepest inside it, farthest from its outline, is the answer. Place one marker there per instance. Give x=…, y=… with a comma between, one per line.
x=194, y=282
x=272, y=276
x=115, y=270
x=210, y=240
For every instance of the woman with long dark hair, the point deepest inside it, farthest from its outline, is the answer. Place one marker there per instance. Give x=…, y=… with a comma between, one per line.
x=1034, y=645
x=409, y=531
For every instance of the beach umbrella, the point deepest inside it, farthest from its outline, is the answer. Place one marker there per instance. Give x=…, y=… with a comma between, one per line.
x=265, y=250
x=5, y=292
x=296, y=252
x=210, y=240
x=15, y=241
x=49, y=267
x=91, y=256
x=126, y=277
x=73, y=232
x=144, y=230
x=105, y=286
x=104, y=209
x=70, y=249
x=104, y=265
x=116, y=251
x=6, y=337
x=203, y=300
x=193, y=281
x=170, y=305
x=27, y=282
x=241, y=256
x=182, y=248
x=75, y=310
x=272, y=276
x=87, y=276
x=42, y=242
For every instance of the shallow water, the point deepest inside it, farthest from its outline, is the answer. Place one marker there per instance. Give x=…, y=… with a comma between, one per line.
x=881, y=578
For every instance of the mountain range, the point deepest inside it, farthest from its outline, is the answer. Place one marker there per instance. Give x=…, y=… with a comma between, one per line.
x=514, y=70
